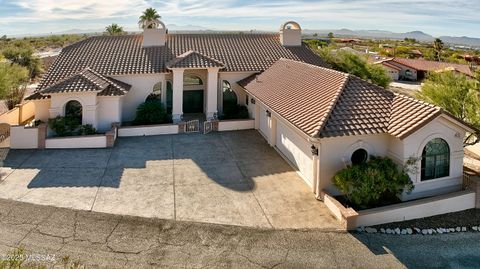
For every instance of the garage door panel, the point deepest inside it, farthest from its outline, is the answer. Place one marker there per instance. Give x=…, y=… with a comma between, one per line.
x=296, y=149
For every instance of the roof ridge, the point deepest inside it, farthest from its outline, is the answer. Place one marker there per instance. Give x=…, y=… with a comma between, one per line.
x=331, y=106
x=312, y=65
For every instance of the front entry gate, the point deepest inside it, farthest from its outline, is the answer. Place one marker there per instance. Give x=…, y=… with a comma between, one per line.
x=192, y=126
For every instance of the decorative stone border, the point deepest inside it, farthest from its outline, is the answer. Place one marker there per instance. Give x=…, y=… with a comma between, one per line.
x=411, y=231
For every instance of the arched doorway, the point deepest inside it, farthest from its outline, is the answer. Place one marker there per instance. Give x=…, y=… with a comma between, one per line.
x=74, y=110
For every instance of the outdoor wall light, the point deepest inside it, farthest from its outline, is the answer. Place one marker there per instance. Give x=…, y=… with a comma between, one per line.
x=252, y=101
x=269, y=114
x=314, y=150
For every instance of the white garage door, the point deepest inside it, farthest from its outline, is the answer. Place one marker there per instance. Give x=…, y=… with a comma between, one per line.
x=264, y=122
x=297, y=150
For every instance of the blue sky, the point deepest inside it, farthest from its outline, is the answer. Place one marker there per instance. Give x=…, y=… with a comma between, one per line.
x=436, y=17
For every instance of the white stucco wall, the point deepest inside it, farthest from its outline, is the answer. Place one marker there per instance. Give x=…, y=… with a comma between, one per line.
x=413, y=147
x=42, y=110
x=232, y=78
x=22, y=137
x=161, y=129
x=87, y=99
x=109, y=110
x=232, y=125
x=335, y=154
x=142, y=86
x=79, y=142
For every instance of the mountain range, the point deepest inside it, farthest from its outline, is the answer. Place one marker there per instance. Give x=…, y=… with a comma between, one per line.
x=379, y=34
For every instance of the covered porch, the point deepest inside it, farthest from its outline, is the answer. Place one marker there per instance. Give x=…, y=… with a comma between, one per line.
x=193, y=87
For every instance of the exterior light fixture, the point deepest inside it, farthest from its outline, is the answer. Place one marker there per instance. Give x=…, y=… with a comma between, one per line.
x=314, y=150
x=269, y=114
x=252, y=101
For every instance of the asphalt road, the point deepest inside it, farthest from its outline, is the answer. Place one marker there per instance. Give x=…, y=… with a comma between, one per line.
x=110, y=241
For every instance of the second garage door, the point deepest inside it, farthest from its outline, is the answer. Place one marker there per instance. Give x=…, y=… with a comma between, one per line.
x=296, y=149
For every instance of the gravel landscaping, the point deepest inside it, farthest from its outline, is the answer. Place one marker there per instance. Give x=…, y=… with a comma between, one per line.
x=464, y=221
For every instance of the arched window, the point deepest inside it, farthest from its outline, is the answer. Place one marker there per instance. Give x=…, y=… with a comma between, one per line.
x=359, y=156
x=156, y=94
x=192, y=80
x=73, y=110
x=229, y=98
x=435, y=159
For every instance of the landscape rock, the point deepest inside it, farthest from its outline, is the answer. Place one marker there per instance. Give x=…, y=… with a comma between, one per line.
x=452, y=230
x=389, y=231
x=409, y=231
x=430, y=231
x=397, y=230
x=370, y=230
x=439, y=230
x=382, y=230
x=417, y=230
x=424, y=231
x=464, y=229
x=475, y=228
x=403, y=231
x=458, y=229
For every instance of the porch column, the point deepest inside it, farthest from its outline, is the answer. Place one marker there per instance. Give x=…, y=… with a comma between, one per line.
x=177, y=104
x=212, y=92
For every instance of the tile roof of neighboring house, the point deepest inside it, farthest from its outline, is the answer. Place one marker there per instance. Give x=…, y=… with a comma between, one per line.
x=120, y=55
x=86, y=80
x=327, y=103
x=193, y=59
x=387, y=64
x=428, y=66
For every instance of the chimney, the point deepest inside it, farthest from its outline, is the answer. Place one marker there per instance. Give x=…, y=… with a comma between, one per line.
x=291, y=34
x=155, y=37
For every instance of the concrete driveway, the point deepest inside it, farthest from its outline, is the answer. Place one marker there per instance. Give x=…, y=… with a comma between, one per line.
x=227, y=178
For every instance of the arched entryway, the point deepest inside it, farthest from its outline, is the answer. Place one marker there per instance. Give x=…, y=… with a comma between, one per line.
x=74, y=110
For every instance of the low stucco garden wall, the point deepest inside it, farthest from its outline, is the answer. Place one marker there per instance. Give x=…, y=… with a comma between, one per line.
x=22, y=137
x=447, y=203
x=233, y=125
x=79, y=142
x=146, y=130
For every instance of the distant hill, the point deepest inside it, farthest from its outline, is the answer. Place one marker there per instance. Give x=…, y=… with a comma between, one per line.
x=379, y=34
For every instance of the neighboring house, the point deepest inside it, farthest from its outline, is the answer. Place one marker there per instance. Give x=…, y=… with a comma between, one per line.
x=416, y=69
x=107, y=77
x=322, y=120
x=319, y=119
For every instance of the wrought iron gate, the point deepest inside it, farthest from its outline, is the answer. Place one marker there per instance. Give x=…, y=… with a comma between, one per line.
x=207, y=127
x=192, y=126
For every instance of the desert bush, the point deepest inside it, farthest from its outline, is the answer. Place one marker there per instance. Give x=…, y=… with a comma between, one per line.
x=151, y=112
x=375, y=182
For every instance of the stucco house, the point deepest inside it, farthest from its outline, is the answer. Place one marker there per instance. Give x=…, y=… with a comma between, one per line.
x=318, y=119
x=417, y=69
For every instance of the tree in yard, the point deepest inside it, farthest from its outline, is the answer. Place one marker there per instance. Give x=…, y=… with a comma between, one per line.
x=456, y=93
x=330, y=36
x=353, y=64
x=13, y=79
x=21, y=53
x=438, y=47
x=149, y=19
x=114, y=29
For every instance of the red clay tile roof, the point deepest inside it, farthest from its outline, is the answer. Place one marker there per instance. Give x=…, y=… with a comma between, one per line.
x=193, y=59
x=429, y=66
x=327, y=103
x=86, y=80
x=121, y=55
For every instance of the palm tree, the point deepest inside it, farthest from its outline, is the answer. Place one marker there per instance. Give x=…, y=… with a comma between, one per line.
x=149, y=19
x=438, y=47
x=114, y=29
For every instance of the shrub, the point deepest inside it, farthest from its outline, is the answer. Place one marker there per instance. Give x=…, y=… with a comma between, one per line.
x=68, y=126
x=64, y=126
x=235, y=112
x=378, y=181
x=151, y=112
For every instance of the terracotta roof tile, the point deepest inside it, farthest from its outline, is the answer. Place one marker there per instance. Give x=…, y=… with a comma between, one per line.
x=326, y=103
x=86, y=80
x=193, y=59
x=120, y=55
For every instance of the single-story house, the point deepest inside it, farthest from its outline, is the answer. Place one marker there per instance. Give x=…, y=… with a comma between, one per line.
x=417, y=69
x=319, y=119
x=322, y=120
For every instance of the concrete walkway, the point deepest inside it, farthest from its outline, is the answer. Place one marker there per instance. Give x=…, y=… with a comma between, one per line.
x=230, y=178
